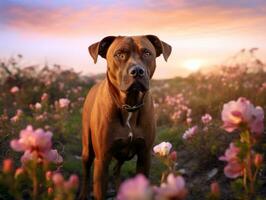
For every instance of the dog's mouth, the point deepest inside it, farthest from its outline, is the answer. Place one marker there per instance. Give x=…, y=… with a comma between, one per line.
x=135, y=86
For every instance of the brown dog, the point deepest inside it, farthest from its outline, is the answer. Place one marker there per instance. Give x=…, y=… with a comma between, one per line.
x=118, y=115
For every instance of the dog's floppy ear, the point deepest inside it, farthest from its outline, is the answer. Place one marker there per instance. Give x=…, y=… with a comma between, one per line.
x=100, y=48
x=160, y=46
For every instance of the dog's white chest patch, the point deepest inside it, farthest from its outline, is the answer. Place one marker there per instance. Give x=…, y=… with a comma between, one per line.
x=130, y=134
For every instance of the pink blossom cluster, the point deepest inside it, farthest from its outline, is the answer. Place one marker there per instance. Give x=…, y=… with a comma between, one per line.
x=234, y=167
x=174, y=100
x=14, y=89
x=64, y=103
x=242, y=113
x=36, y=145
x=76, y=90
x=139, y=188
x=17, y=117
x=179, y=105
x=41, y=117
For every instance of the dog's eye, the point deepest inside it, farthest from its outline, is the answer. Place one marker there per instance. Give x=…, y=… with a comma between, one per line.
x=146, y=53
x=121, y=56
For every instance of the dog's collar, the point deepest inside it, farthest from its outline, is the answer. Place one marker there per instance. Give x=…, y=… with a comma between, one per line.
x=134, y=108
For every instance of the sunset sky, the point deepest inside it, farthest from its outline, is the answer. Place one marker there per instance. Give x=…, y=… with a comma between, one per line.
x=201, y=32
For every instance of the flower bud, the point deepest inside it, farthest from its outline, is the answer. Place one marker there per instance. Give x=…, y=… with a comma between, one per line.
x=189, y=120
x=8, y=165
x=48, y=175
x=18, y=172
x=215, y=189
x=258, y=160
x=50, y=190
x=44, y=97
x=173, y=156
x=74, y=180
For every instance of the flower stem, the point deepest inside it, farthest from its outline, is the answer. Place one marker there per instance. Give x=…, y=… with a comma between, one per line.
x=35, y=186
x=34, y=180
x=249, y=167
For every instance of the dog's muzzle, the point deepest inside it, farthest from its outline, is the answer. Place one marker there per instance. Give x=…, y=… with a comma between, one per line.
x=138, y=79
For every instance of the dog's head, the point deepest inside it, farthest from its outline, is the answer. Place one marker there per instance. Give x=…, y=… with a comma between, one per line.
x=130, y=60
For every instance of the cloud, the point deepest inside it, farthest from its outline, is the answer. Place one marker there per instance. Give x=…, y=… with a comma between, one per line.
x=177, y=20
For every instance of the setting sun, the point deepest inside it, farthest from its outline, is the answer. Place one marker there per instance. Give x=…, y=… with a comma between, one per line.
x=193, y=64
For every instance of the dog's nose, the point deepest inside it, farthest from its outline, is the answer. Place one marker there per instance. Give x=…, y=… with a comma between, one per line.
x=136, y=71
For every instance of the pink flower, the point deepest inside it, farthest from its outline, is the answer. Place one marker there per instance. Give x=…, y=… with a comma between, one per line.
x=72, y=182
x=176, y=115
x=28, y=155
x=163, y=149
x=19, y=112
x=190, y=132
x=206, y=118
x=137, y=188
x=234, y=167
x=53, y=156
x=14, y=89
x=242, y=112
x=14, y=119
x=38, y=106
x=189, y=120
x=40, y=117
x=64, y=103
x=230, y=153
x=174, y=188
x=30, y=139
x=58, y=179
x=44, y=97
x=36, y=144
x=17, y=117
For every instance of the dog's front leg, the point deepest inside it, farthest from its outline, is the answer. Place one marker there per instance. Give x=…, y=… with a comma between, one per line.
x=100, y=178
x=143, y=162
x=117, y=170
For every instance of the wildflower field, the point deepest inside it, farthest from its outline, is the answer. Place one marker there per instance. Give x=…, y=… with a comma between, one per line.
x=210, y=141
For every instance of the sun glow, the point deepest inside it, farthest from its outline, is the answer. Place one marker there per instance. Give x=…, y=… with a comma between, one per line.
x=193, y=64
